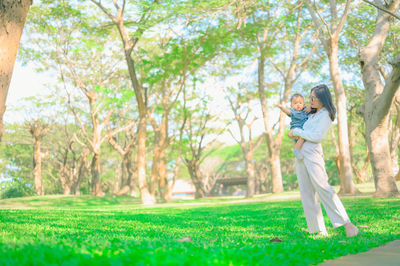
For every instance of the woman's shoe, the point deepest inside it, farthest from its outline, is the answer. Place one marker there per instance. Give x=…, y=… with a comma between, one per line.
x=351, y=230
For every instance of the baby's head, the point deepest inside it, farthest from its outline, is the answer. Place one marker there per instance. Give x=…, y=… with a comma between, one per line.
x=297, y=102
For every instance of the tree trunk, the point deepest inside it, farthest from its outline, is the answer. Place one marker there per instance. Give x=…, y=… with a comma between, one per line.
x=395, y=140
x=38, y=130
x=378, y=100
x=345, y=171
x=12, y=20
x=263, y=173
x=163, y=179
x=145, y=196
x=168, y=196
x=330, y=44
x=378, y=143
x=251, y=176
x=132, y=177
x=37, y=171
x=95, y=170
x=155, y=168
x=117, y=178
x=65, y=178
x=164, y=143
x=276, y=174
x=360, y=173
x=397, y=178
x=71, y=174
x=197, y=178
x=127, y=181
x=83, y=169
x=67, y=191
x=128, y=46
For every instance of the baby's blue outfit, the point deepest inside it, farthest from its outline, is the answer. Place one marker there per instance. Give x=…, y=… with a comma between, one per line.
x=298, y=118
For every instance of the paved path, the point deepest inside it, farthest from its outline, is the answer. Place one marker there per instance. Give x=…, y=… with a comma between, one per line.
x=387, y=255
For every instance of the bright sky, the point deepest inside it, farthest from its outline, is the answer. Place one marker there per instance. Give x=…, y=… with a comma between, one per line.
x=27, y=82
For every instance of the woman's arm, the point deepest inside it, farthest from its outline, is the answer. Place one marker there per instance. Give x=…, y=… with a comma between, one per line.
x=317, y=132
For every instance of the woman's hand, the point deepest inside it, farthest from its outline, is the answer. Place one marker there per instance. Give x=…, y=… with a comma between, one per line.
x=307, y=110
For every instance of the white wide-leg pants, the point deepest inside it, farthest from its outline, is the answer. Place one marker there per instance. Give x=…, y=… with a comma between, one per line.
x=314, y=188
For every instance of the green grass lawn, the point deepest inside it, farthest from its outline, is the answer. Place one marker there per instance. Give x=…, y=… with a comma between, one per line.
x=118, y=231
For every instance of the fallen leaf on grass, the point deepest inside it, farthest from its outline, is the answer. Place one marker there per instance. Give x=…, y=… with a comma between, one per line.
x=363, y=226
x=276, y=239
x=185, y=239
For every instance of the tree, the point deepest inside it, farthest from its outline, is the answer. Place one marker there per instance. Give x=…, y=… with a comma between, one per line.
x=241, y=108
x=173, y=62
x=379, y=98
x=16, y=162
x=329, y=37
x=359, y=26
x=12, y=20
x=144, y=19
x=70, y=160
x=126, y=182
x=198, y=128
x=395, y=139
x=353, y=130
x=277, y=37
x=290, y=44
x=38, y=129
x=85, y=67
x=173, y=59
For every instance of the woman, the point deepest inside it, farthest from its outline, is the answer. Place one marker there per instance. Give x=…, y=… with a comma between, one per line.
x=311, y=173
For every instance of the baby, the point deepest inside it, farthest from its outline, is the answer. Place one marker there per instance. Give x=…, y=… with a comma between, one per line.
x=298, y=114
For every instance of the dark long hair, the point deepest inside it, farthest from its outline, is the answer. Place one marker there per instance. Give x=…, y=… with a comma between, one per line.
x=324, y=96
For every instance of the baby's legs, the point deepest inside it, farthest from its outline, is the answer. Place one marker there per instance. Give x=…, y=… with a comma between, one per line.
x=297, y=148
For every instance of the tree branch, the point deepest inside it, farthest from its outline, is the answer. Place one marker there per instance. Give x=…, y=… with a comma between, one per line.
x=343, y=19
x=108, y=13
x=392, y=84
x=317, y=23
x=382, y=9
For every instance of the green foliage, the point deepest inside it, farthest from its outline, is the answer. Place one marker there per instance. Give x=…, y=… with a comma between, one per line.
x=16, y=162
x=181, y=40
x=16, y=188
x=357, y=31
x=103, y=231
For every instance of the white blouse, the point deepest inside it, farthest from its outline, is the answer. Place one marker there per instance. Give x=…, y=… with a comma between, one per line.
x=316, y=127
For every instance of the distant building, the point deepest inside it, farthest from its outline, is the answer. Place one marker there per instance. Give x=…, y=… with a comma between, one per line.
x=183, y=190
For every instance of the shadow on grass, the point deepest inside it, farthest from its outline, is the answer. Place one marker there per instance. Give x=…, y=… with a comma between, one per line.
x=60, y=201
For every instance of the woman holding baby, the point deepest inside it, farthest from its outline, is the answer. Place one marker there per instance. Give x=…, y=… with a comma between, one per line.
x=310, y=169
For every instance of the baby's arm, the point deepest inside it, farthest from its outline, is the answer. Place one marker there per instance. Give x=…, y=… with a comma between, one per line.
x=284, y=109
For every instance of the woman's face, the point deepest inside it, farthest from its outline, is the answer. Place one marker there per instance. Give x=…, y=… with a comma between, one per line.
x=315, y=102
